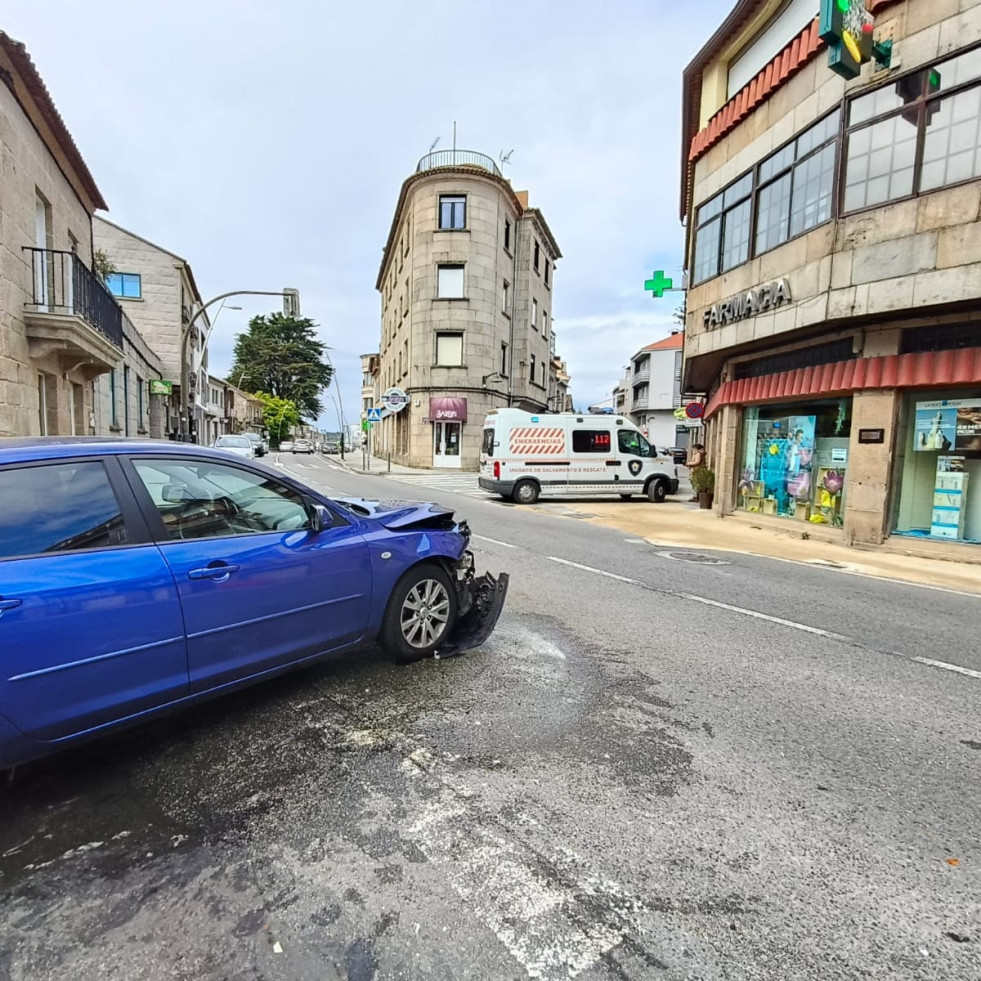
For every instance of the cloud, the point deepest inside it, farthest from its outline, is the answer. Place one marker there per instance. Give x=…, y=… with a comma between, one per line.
x=267, y=144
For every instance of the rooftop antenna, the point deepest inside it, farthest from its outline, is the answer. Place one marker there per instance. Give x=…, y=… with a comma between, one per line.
x=454, y=137
x=505, y=158
x=432, y=146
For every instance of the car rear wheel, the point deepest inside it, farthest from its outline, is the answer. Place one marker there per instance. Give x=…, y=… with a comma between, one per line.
x=525, y=492
x=421, y=613
x=657, y=491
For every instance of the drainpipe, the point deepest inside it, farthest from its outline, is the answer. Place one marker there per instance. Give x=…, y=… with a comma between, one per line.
x=514, y=303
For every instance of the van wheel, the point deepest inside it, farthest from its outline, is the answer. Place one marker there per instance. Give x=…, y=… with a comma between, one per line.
x=626, y=497
x=657, y=491
x=525, y=492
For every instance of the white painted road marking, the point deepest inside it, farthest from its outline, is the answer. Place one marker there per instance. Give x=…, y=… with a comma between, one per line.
x=709, y=602
x=493, y=541
x=948, y=667
x=763, y=616
x=599, y=572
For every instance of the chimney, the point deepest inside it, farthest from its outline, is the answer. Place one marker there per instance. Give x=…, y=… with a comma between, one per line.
x=522, y=197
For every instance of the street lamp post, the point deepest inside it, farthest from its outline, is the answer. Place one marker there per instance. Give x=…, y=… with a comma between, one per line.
x=340, y=400
x=291, y=307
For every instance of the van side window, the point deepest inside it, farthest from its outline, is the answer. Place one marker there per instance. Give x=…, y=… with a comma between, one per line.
x=488, y=445
x=590, y=441
x=631, y=442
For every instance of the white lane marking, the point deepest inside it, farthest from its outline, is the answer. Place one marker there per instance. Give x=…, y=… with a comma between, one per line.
x=763, y=616
x=494, y=541
x=599, y=572
x=709, y=602
x=948, y=667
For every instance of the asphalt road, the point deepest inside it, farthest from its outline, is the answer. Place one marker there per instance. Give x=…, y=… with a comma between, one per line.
x=664, y=764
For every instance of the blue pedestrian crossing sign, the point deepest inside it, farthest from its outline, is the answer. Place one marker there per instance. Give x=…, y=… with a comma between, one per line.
x=374, y=415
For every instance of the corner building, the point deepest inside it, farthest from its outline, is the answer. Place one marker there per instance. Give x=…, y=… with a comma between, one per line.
x=834, y=260
x=466, y=283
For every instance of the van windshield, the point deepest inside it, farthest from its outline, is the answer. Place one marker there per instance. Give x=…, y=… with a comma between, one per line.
x=487, y=446
x=631, y=442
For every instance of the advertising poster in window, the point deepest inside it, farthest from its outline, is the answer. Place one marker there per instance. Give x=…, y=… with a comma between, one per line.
x=948, y=425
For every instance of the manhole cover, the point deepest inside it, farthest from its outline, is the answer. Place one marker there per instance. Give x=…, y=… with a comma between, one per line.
x=699, y=558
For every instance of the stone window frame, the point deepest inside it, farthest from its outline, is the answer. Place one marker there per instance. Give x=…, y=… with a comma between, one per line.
x=436, y=346
x=740, y=202
x=453, y=199
x=462, y=266
x=889, y=106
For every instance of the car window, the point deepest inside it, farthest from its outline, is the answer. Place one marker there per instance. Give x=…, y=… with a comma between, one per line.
x=631, y=442
x=488, y=444
x=58, y=508
x=201, y=499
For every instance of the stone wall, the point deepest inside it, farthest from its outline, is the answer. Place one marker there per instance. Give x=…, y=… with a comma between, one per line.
x=904, y=255
x=26, y=169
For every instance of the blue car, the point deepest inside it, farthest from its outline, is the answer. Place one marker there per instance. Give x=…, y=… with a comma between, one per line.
x=140, y=576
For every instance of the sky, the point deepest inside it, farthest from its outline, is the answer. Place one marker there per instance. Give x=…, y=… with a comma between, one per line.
x=267, y=144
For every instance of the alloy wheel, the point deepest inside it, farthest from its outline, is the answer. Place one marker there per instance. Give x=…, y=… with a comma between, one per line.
x=425, y=613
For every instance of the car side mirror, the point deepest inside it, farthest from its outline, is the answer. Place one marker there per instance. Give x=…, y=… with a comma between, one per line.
x=320, y=517
x=175, y=493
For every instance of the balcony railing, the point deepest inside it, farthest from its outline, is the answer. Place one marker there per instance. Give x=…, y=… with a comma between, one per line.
x=641, y=376
x=639, y=404
x=457, y=158
x=63, y=284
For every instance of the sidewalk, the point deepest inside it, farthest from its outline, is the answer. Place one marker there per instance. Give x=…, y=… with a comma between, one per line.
x=355, y=462
x=679, y=523
x=675, y=523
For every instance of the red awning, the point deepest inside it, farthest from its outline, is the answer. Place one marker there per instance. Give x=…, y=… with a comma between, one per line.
x=928, y=369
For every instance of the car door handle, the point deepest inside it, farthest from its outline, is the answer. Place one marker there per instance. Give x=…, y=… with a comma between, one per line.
x=9, y=604
x=218, y=571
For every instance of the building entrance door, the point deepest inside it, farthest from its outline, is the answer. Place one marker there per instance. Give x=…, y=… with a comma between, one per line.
x=446, y=444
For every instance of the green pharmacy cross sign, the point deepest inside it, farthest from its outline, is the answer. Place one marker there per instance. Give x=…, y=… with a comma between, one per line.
x=660, y=284
x=846, y=27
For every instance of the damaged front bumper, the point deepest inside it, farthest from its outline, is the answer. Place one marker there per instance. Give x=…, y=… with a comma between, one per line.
x=480, y=600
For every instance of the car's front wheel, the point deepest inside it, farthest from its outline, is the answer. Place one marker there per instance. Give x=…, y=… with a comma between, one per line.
x=421, y=613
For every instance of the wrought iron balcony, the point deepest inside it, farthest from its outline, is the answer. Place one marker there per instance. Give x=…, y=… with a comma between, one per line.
x=457, y=158
x=72, y=312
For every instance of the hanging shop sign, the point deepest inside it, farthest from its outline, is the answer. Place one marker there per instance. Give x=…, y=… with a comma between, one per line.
x=946, y=424
x=394, y=399
x=160, y=387
x=749, y=304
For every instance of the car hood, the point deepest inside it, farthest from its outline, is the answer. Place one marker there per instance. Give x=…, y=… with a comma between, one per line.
x=399, y=515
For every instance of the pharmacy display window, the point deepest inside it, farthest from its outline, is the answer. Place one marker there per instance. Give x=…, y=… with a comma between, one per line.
x=794, y=460
x=938, y=466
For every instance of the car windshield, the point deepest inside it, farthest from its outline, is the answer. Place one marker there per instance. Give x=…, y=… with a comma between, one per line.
x=232, y=441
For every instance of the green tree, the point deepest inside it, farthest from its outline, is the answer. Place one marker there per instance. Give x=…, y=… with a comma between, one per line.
x=279, y=416
x=281, y=355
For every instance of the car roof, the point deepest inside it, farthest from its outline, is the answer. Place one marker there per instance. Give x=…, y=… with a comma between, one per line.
x=19, y=449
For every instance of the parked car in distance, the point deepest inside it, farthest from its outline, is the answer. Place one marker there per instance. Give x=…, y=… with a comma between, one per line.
x=678, y=453
x=239, y=445
x=332, y=447
x=260, y=445
x=302, y=446
x=137, y=577
x=286, y=446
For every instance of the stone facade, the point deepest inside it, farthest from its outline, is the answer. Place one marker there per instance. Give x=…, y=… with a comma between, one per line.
x=863, y=280
x=168, y=297
x=500, y=323
x=50, y=352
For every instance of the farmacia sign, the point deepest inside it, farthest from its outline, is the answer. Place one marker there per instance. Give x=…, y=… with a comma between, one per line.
x=748, y=304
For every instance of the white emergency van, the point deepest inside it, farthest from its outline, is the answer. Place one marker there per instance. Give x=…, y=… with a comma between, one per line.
x=524, y=455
